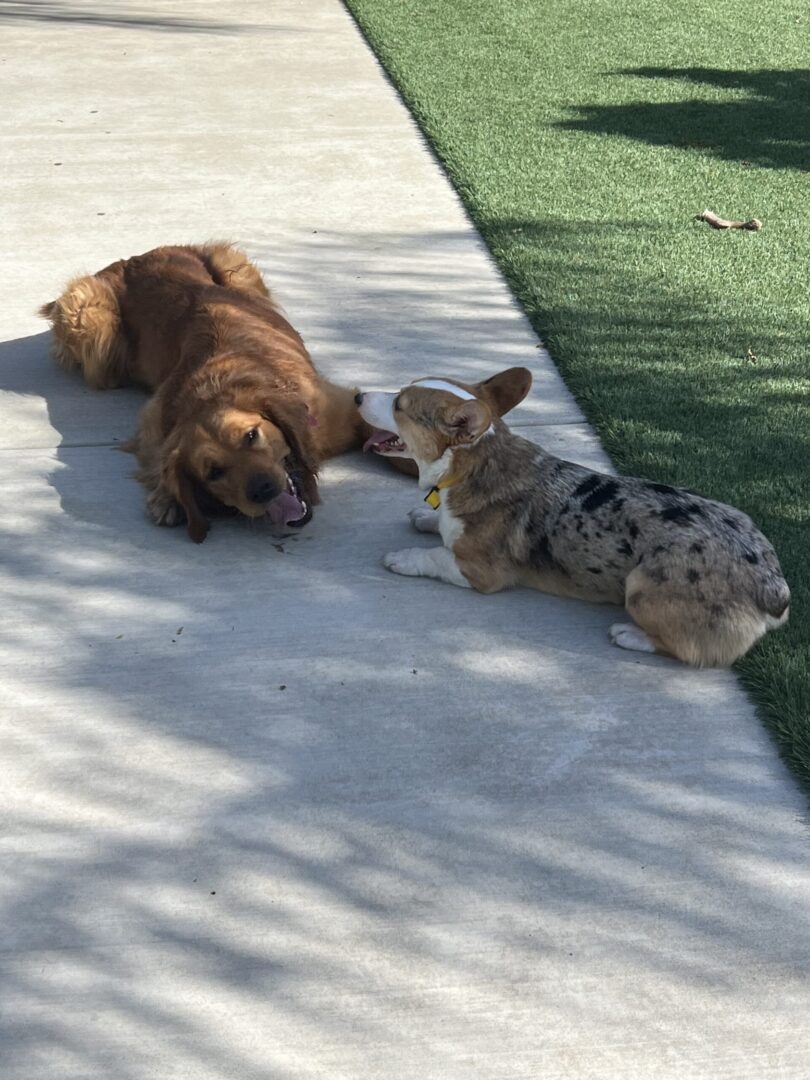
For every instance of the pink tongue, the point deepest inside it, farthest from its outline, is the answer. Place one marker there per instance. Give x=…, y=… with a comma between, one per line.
x=377, y=438
x=285, y=508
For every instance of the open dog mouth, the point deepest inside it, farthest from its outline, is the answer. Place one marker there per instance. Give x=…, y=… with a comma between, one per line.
x=384, y=442
x=290, y=507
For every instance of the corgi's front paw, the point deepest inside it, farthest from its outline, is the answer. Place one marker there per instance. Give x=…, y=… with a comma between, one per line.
x=408, y=561
x=424, y=519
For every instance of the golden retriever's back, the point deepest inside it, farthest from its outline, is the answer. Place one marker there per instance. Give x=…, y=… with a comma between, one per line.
x=122, y=326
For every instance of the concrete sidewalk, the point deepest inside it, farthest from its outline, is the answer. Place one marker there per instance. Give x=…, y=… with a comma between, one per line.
x=268, y=811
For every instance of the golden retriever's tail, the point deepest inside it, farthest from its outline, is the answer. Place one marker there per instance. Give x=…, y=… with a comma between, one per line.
x=86, y=322
x=231, y=268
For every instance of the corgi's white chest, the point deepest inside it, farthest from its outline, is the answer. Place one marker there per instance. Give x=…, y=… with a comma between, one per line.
x=450, y=528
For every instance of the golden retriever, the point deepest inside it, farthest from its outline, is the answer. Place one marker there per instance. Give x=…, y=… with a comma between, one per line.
x=239, y=419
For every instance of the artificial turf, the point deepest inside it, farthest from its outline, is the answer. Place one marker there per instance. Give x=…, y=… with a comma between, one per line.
x=583, y=138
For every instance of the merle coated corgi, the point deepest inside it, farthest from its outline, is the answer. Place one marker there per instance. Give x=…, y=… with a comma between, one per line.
x=698, y=578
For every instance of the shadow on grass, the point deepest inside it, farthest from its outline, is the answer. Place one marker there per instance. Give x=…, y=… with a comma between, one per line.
x=637, y=352
x=766, y=123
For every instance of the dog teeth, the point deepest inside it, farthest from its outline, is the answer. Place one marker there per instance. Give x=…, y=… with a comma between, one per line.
x=390, y=444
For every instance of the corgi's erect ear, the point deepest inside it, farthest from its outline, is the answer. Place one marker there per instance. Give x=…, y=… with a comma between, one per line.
x=506, y=389
x=466, y=421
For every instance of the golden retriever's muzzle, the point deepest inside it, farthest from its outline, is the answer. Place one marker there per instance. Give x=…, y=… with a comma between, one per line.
x=261, y=489
x=284, y=503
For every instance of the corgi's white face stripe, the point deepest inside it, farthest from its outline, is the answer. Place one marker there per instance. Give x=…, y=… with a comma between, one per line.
x=450, y=388
x=377, y=409
x=457, y=391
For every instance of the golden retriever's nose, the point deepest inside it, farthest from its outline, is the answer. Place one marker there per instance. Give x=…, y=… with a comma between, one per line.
x=261, y=489
x=358, y=399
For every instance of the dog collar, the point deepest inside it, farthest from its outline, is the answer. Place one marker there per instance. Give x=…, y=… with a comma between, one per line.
x=434, y=496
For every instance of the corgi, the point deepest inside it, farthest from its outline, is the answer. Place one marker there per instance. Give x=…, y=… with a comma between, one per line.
x=700, y=581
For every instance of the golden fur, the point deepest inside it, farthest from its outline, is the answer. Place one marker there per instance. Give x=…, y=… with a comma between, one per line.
x=238, y=410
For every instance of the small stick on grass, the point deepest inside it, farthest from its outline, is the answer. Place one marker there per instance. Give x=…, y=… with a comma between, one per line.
x=754, y=225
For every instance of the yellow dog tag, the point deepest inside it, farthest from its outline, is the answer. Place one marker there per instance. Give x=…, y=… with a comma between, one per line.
x=434, y=496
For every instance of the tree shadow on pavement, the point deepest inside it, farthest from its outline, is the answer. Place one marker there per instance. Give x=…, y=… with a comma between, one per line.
x=124, y=17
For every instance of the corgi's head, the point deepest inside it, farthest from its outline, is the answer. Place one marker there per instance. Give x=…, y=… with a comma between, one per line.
x=431, y=418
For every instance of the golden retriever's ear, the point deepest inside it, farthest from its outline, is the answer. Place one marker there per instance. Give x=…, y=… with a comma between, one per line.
x=180, y=483
x=506, y=389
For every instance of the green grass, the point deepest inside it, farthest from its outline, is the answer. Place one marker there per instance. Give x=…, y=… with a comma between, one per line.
x=583, y=138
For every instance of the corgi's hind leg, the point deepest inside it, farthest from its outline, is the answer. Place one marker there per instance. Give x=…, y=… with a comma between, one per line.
x=630, y=636
x=705, y=632
x=87, y=334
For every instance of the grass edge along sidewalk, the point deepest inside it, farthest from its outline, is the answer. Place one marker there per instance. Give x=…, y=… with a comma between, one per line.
x=583, y=139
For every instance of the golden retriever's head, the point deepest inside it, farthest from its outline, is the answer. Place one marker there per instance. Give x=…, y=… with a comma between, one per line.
x=258, y=462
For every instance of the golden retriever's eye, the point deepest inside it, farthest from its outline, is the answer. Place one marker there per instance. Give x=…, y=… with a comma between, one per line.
x=216, y=472
x=396, y=402
x=252, y=436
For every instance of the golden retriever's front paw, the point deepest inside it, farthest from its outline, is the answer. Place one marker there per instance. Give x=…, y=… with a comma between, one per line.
x=164, y=509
